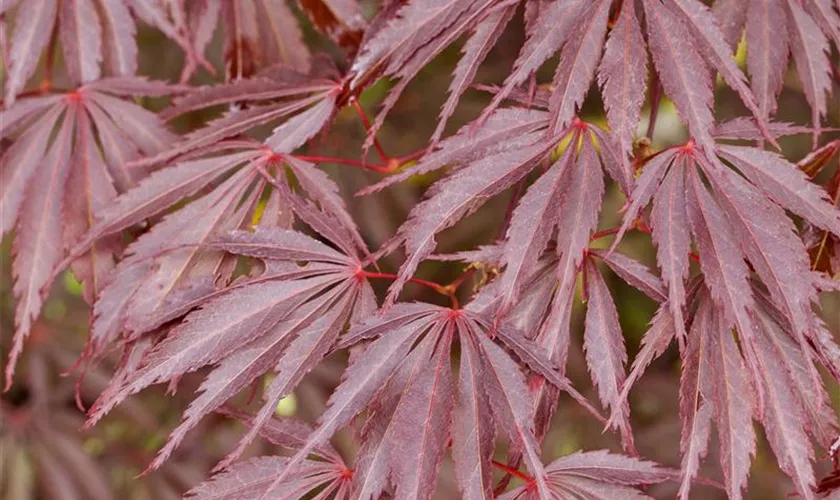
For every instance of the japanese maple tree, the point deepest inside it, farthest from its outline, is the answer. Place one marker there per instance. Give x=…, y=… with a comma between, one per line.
x=209, y=238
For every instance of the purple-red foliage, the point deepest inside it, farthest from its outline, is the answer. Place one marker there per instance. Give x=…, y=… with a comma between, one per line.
x=244, y=260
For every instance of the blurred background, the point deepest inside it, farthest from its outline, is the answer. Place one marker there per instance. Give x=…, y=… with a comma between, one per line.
x=43, y=453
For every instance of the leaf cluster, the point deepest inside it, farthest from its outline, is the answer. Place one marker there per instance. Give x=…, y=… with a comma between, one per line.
x=226, y=250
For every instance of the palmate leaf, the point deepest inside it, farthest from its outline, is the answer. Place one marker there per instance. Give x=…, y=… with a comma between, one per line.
x=776, y=29
x=285, y=320
x=182, y=278
x=768, y=232
x=714, y=385
x=482, y=175
x=606, y=354
x=259, y=33
x=52, y=186
x=597, y=474
x=566, y=199
x=684, y=37
x=622, y=75
x=733, y=223
x=215, y=278
x=251, y=478
x=187, y=271
x=94, y=35
x=414, y=409
x=304, y=107
x=533, y=316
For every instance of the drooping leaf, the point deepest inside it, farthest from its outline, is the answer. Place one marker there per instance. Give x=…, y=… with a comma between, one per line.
x=767, y=53
x=733, y=409
x=37, y=248
x=673, y=241
x=81, y=39
x=810, y=55
x=696, y=398
x=33, y=25
x=785, y=184
x=724, y=268
x=682, y=70
x=606, y=354
x=484, y=37
x=579, y=59
x=623, y=76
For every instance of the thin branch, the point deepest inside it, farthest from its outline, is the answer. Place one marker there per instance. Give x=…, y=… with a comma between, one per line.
x=437, y=287
x=655, y=98
x=46, y=83
x=385, y=158
x=513, y=472
x=383, y=169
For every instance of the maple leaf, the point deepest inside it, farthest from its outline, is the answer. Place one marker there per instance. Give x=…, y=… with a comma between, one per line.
x=714, y=386
x=94, y=35
x=242, y=260
x=257, y=34
x=733, y=221
x=597, y=474
x=484, y=171
x=405, y=374
x=170, y=270
x=249, y=479
x=684, y=36
x=767, y=235
x=305, y=105
x=284, y=320
x=777, y=29
x=53, y=186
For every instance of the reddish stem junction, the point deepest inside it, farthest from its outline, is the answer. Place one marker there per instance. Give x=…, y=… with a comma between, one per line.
x=389, y=164
x=446, y=290
x=514, y=472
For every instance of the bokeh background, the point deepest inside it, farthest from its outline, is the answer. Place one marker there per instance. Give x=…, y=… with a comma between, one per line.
x=43, y=453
